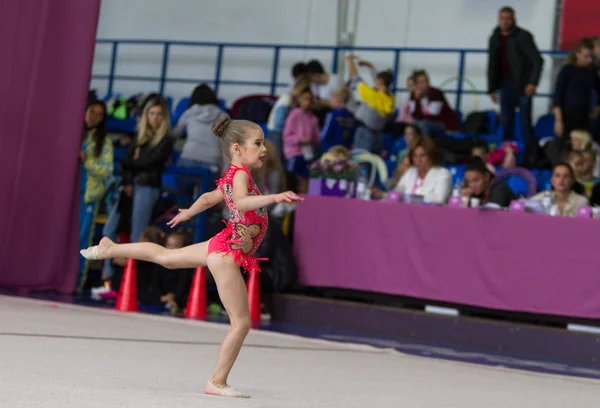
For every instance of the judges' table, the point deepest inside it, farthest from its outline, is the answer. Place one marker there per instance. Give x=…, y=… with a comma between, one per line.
x=494, y=259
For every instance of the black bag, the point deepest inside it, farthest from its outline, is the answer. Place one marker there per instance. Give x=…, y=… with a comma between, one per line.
x=279, y=273
x=476, y=123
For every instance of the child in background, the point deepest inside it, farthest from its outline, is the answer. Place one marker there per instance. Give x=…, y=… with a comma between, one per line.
x=339, y=123
x=581, y=140
x=481, y=150
x=176, y=283
x=335, y=153
x=300, y=138
x=282, y=107
x=586, y=177
x=376, y=108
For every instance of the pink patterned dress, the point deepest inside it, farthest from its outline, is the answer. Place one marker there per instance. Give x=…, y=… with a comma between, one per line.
x=244, y=232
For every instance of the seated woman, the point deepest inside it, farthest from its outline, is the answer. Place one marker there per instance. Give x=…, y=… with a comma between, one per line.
x=480, y=183
x=564, y=200
x=426, y=177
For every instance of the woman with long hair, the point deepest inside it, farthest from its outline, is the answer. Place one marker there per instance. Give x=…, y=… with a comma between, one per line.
x=96, y=156
x=141, y=171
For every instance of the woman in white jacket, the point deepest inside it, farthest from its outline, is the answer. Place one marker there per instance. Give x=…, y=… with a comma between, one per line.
x=426, y=177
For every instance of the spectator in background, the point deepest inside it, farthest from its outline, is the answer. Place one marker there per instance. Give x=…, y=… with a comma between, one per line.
x=429, y=108
x=586, y=177
x=174, y=285
x=96, y=156
x=426, y=177
x=281, y=109
x=514, y=68
x=412, y=134
x=480, y=183
x=581, y=140
x=596, y=40
x=376, y=107
x=404, y=114
x=300, y=138
x=564, y=200
x=323, y=85
x=576, y=82
x=339, y=124
x=298, y=69
x=504, y=156
x=480, y=149
x=575, y=159
x=201, y=148
x=142, y=170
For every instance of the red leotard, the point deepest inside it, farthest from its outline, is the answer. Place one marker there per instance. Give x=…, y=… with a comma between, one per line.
x=244, y=232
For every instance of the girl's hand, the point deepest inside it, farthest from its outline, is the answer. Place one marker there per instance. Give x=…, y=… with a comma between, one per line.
x=287, y=197
x=183, y=216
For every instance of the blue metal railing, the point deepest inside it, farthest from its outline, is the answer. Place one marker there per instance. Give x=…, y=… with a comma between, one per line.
x=273, y=84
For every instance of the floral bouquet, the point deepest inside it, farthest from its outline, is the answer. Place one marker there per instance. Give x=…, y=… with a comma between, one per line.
x=336, y=177
x=338, y=169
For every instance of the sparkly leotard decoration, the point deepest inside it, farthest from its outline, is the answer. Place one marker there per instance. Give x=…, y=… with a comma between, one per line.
x=244, y=233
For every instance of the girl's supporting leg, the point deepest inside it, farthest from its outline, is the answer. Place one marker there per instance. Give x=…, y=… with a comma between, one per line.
x=186, y=257
x=232, y=291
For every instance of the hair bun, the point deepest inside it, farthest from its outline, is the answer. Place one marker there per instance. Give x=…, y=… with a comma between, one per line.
x=219, y=127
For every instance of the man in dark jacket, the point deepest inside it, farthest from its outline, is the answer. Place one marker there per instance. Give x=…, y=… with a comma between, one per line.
x=514, y=69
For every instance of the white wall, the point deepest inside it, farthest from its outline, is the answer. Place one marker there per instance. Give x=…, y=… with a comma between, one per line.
x=250, y=21
x=393, y=23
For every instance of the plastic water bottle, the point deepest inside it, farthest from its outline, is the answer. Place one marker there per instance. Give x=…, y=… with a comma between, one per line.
x=547, y=202
x=457, y=189
x=362, y=192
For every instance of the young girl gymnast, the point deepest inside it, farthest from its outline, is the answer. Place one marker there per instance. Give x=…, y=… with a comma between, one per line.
x=243, y=143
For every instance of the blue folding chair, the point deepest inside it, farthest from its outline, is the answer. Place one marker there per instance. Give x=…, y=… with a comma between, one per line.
x=544, y=127
x=181, y=107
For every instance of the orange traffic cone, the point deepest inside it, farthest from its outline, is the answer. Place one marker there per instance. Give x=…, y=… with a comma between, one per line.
x=128, y=299
x=196, y=305
x=254, y=296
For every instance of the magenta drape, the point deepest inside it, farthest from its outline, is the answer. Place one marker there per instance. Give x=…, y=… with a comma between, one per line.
x=47, y=49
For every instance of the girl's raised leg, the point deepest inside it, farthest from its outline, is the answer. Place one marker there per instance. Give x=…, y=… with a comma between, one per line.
x=186, y=257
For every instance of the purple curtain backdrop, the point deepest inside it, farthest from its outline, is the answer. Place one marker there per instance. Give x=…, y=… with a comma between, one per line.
x=47, y=48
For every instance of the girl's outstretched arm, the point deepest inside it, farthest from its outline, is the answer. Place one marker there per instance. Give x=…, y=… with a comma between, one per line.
x=243, y=202
x=204, y=202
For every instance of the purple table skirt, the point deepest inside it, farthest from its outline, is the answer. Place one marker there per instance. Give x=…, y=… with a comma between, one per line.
x=507, y=261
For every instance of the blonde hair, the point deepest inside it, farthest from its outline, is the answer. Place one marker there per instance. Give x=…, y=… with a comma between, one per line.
x=342, y=94
x=231, y=132
x=336, y=152
x=302, y=83
x=584, y=43
x=583, y=136
x=145, y=134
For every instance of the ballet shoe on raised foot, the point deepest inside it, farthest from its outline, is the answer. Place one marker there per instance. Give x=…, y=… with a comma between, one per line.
x=212, y=389
x=96, y=251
